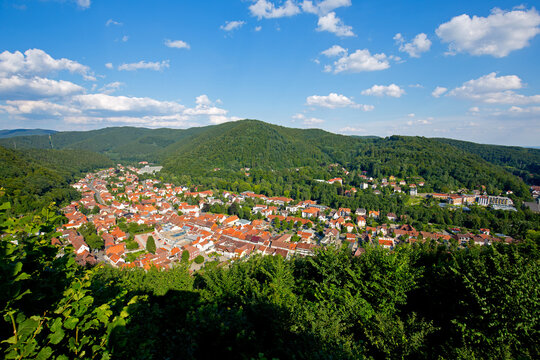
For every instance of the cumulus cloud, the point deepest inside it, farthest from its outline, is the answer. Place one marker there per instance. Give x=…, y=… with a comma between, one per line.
x=331, y=23
x=232, y=25
x=497, y=34
x=18, y=87
x=125, y=38
x=24, y=95
x=38, y=62
x=266, y=9
x=178, y=44
x=335, y=50
x=493, y=89
x=358, y=61
x=418, y=45
x=439, y=90
x=37, y=107
x=322, y=8
x=102, y=103
x=157, y=66
x=109, y=65
x=333, y=100
x=307, y=120
x=392, y=90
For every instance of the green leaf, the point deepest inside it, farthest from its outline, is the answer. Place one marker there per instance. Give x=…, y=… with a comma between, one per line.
x=28, y=327
x=56, y=337
x=71, y=322
x=56, y=325
x=5, y=206
x=45, y=353
x=17, y=268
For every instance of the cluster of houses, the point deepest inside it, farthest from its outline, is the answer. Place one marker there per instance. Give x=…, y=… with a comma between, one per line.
x=178, y=227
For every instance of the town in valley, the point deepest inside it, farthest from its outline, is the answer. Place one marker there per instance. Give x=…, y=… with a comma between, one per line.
x=123, y=208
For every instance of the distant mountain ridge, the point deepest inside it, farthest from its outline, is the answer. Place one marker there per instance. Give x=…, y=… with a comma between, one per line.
x=24, y=132
x=232, y=146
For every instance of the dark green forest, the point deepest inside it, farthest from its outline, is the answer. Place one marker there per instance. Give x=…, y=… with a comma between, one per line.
x=523, y=162
x=425, y=301
x=31, y=179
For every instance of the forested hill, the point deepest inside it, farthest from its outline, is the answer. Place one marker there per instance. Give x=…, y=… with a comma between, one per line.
x=524, y=162
x=24, y=132
x=257, y=145
x=261, y=146
x=34, y=178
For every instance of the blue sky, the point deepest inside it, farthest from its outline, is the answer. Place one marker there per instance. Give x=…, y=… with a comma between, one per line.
x=461, y=69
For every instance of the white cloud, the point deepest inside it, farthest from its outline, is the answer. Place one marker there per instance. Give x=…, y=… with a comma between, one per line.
x=111, y=87
x=439, y=90
x=154, y=121
x=322, y=8
x=258, y=28
x=331, y=23
x=103, y=103
x=109, y=65
x=360, y=60
x=333, y=100
x=306, y=120
x=497, y=34
x=426, y=121
x=203, y=100
x=112, y=22
x=418, y=45
x=85, y=4
x=157, y=66
x=474, y=109
x=490, y=83
x=204, y=106
x=312, y=121
x=38, y=62
x=266, y=9
x=18, y=87
x=411, y=115
x=335, y=50
x=178, y=44
x=232, y=25
x=392, y=90
x=330, y=101
x=37, y=107
x=350, y=129
x=125, y=38
x=493, y=89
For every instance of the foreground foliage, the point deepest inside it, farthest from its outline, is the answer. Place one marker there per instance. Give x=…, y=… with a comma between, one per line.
x=423, y=302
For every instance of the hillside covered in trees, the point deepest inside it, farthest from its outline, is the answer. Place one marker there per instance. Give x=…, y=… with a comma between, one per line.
x=523, y=162
x=34, y=178
x=199, y=152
